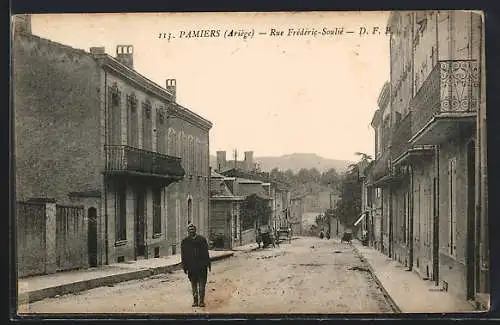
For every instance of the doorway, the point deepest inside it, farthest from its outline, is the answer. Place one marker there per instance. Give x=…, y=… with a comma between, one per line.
x=471, y=229
x=92, y=236
x=190, y=211
x=140, y=212
x=435, y=231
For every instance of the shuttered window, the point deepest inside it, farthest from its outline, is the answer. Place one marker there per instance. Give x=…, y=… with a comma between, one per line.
x=156, y=210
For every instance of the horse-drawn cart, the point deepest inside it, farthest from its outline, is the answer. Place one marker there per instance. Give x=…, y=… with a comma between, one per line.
x=265, y=236
x=285, y=234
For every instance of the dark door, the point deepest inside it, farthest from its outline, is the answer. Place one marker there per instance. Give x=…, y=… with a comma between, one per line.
x=435, y=231
x=92, y=236
x=140, y=222
x=391, y=222
x=190, y=211
x=471, y=229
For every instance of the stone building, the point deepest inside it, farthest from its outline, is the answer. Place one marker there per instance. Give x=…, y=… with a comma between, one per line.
x=225, y=209
x=278, y=193
x=91, y=130
x=433, y=157
x=247, y=164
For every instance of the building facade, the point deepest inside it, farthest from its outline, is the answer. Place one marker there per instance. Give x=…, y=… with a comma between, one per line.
x=92, y=131
x=296, y=212
x=380, y=173
x=434, y=159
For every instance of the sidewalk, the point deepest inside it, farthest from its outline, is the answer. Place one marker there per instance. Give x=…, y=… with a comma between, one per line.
x=36, y=288
x=408, y=291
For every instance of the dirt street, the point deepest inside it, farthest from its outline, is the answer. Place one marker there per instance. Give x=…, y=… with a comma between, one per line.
x=307, y=276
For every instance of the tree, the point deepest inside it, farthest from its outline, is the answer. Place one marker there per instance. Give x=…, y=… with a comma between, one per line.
x=330, y=178
x=303, y=176
x=255, y=211
x=349, y=206
x=364, y=156
x=276, y=174
x=364, y=162
x=314, y=175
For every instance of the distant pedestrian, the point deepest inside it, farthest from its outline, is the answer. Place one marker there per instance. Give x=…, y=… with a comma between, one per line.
x=195, y=263
x=258, y=237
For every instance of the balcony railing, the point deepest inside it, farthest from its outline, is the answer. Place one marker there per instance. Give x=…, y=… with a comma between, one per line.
x=381, y=166
x=451, y=87
x=121, y=158
x=400, y=137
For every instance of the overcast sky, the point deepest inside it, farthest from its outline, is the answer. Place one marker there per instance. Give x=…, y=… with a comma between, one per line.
x=273, y=95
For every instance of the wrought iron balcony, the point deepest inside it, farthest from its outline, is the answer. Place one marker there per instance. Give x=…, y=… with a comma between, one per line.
x=449, y=95
x=122, y=159
x=381, y=169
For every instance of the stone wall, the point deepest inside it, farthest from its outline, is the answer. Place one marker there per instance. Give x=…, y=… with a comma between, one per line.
x=56, y=113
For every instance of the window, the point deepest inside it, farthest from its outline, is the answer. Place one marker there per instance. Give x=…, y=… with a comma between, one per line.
x=452, y=200
x=147, y=126
x=191, y=156
x=179, y=147
x=132, y=128
x=120, y=212
x=114, y=115
x=161, y=137
x=171, y=142
x=156, y=210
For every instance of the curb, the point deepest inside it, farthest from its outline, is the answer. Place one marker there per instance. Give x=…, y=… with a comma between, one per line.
x=37, y=295
x=386, y=294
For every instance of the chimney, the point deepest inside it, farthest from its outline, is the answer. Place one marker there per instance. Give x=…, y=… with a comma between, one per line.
x=97, y=50
x=172, y=87
x=125, y=54
x=221, y=160
x=249, y=160
x=22, y=24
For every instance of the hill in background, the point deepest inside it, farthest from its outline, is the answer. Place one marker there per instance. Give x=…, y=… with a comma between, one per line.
x=296, y=161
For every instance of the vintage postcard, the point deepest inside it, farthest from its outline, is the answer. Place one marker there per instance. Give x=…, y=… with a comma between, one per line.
x=250, y=163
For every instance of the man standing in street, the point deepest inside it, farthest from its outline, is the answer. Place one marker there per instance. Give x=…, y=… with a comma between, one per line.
x=195, y=262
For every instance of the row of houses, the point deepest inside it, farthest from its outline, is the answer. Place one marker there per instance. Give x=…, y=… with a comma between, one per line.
x=93, y=133
x=232, y=189
x=109, y=167
x=425, y=194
